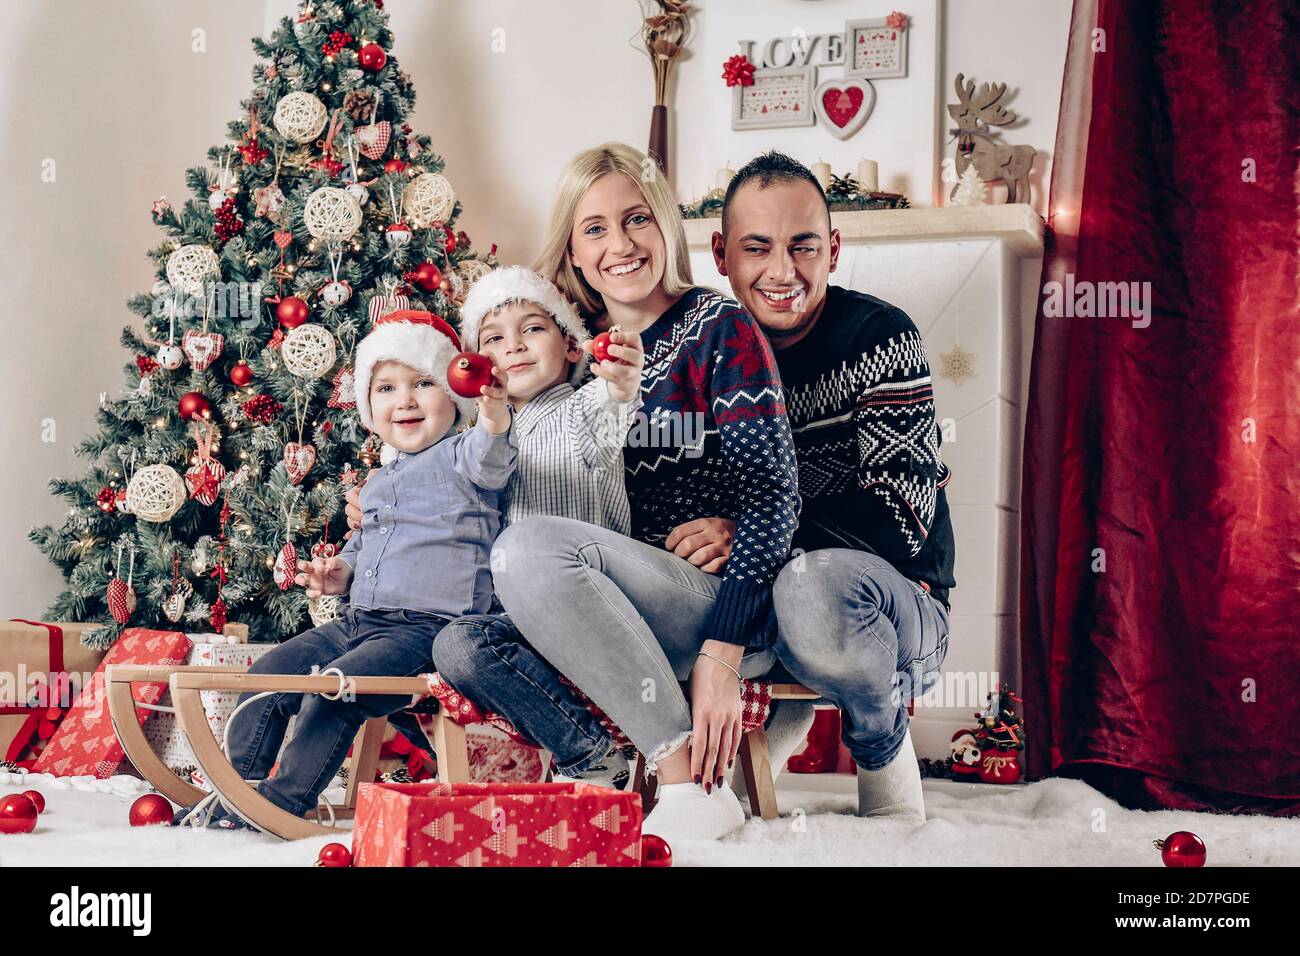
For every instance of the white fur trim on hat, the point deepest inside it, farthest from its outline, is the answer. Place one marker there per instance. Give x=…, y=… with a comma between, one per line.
x=418, y=346
x=518, y=284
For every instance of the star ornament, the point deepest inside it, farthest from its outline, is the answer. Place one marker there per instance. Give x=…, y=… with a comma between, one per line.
x=957, y=364
x=160, y=206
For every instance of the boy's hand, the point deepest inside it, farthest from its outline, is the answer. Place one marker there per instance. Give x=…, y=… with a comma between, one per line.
x=324, y=576
x=493, y=410
x=623, y=369
x=352, y=506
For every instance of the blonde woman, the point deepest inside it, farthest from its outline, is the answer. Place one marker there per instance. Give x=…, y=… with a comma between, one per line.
x=627, y=618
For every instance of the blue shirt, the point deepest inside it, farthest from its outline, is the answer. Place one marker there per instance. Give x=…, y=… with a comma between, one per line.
x=430, y=518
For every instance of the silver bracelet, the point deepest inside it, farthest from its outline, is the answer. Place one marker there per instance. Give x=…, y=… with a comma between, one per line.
x=723, y=663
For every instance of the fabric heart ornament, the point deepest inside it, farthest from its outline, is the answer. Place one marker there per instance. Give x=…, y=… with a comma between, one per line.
x=204, y=481
x=844, y=105
x=345, y=389
x=121, y=600
x=324, y=549
x=202, y=348
x=286, y=566
x=298, y=459
x=374, y=139
x=282, y=239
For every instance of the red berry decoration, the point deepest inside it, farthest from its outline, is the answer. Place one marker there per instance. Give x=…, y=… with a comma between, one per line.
x=36, y=797
x=145, y=364
x=372, y=57
x=253, y=152
x=334, y=855
x=151, y=809
x=425, y=277
x=17, y=814
x=106, y=500
x=229, y=224
x=1183, y=848
x=241, y=373
x=468, y=373
x=261, y=408
x=339, y=40
x=194, y=403
x=395, y=166
x=292, y=312
x=655, y=851
x=600, y=347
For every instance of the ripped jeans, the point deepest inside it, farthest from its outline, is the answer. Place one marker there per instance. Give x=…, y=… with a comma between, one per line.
x=622, y=619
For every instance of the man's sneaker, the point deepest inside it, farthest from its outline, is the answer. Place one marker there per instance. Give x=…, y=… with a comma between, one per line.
x=609, y=771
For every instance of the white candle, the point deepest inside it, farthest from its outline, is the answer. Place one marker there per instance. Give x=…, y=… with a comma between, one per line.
x=724, y=177
x=822, y=173
x=868, y=176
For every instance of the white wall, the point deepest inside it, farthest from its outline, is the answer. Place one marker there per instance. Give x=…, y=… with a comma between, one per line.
x=124, y=106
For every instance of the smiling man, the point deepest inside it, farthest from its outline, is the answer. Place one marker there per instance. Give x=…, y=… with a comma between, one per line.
x=863, y=614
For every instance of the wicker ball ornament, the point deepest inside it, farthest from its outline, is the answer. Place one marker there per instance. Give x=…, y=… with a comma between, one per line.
x=308, y=351
x=324, y=609
x=155, y=493
x=471, y=270
x=190, y=267
x=299, y=117
x=428, y=199
x=332, y=214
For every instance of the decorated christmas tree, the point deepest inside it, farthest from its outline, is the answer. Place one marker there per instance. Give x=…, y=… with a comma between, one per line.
x=232, y=446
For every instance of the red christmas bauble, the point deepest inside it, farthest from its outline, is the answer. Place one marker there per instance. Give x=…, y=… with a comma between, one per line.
x=18, y=813
x=1182, y=848
x=468, y=373
x=372, y=57
x=600, y=347
x=36, y=797
x=150, y=809
x=655, y=851
x=334, y=855
x=425, y=277
x=292, y=312
x=395, y=166
x=241, y=373
x=194, y=403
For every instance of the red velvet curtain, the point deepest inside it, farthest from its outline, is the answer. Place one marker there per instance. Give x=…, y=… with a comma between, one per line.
x=1161, y=579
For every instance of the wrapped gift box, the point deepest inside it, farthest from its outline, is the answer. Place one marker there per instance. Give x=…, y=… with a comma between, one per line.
x=85, y=742
x=495, y=824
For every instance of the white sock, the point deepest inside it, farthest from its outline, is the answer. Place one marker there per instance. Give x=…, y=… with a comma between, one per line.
x=686, y=812
x=789, y=729
x=895, y=789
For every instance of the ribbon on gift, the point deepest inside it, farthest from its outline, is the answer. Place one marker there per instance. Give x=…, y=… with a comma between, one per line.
x=995, y=763
x=39, y=711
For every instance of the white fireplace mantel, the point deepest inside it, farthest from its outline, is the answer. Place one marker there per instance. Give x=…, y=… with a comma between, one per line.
x=966, y=276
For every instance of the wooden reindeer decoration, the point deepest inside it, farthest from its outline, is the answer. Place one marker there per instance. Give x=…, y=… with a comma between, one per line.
x=975, y=112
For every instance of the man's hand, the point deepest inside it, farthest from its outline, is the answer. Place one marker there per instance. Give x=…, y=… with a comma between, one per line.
x=623, y=369
x=493, y=410
x=715, y=712
x=705, y=542
x=352, y=506
x=324, y=576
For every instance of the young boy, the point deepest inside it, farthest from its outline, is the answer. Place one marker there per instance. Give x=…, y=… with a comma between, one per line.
x=420, y=562
x=570, y=442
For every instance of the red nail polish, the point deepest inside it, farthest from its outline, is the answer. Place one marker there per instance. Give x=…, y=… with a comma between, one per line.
x=708, y=788
x=698, y=778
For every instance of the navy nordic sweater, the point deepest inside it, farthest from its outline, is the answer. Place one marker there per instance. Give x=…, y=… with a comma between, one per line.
x=712, y=440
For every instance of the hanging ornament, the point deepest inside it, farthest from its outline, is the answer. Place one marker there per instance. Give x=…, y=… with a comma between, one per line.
x=374, y=138
x=380, y=305
x=173, y=605
x=425, y=277
x=330, y=214
x=309, y=351
x=325, y=548
x=298, y=460
x=285, y=566
x=299, y=117
x=398, y=235
x=192, y=404
x=121, y=501
x=121, y=595
x=155, y=493
x=471, y=270
x=190, y=267
x=292, y=312
x=1180, y=849
x=202, y=348
x=324, y=609
x=344, y=395
x=170, y=357
x=372, y=58
x=355, y=188
x=428, y=199
x=205, y=475
x=336, y=293
x=268, y=200
x=395, y=166
x=217, y=613
x=241, y=373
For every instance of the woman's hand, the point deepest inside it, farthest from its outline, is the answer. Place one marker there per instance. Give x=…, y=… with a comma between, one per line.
x=352, y=505
x=623, y=368
x=715, y=712
x=705, y=542
x=493, y=410
x=324, y=576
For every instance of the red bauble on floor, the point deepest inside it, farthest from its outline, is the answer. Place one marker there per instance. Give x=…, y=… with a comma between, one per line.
x=37, y=798
x=334, y=855
x=17, y=814
x=150, y=809
x=655, y=851
x=1182, y=848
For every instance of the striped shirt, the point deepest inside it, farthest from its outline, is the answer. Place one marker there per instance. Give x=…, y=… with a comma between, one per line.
x=570, y=446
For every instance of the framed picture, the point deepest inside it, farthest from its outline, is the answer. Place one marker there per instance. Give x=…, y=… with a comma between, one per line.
x=875, y=50
x=781, y=97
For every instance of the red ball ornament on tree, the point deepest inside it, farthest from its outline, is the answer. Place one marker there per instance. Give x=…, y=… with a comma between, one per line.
x=152, y=808
x=425, y=277
x=395, y=166
x=468, y=373
x=241, y=373
x=1182, y=848
x=36, y=797
x=194, y=403
x=372, y=57
x=18, y=813
x=655, y=851
x=334, y=855
x=292, y=312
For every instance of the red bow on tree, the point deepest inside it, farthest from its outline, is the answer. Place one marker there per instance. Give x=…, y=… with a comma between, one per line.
x=738, y=71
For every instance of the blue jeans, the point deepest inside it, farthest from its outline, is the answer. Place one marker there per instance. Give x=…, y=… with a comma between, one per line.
x=622, y=619
x=852, y=628
x=486, y=658
x=390, y=643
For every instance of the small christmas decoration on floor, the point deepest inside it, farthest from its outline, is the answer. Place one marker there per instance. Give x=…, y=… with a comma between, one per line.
x=1180, y=849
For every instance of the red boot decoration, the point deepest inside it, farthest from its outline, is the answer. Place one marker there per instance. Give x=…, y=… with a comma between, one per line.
x=823, y=750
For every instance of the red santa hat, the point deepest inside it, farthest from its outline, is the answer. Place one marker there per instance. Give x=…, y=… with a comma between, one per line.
x=419, y=340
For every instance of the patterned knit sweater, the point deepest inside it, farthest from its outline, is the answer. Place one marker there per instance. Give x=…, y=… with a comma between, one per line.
x=861, y=409
x=712, y=440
